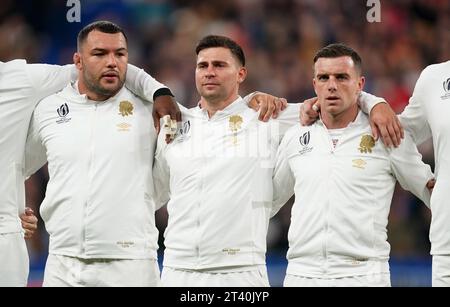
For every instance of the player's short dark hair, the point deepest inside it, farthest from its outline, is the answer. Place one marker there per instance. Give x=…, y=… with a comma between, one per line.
x=212, y=41
x=337, y=50
x=102, y=26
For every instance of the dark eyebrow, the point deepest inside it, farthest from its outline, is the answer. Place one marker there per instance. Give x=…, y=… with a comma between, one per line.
x=336, y=75
x=106, y=50
x=219, y=62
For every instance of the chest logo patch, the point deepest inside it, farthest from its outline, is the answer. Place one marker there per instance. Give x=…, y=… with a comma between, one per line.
x=359, y=163
x=367, y=143
x=235, y=122
x=123, y=127
x=305, y=138
x=63, y=113
x=304, y=142
x=446, y=86
x=125, y=108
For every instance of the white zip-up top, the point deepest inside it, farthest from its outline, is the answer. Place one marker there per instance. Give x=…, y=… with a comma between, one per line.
x=342, y=197
x=98, y=202
x=427, y=115
x=22, y=85
x=220, y=171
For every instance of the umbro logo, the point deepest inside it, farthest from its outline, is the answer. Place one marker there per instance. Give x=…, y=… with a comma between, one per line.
x=63, y=112
x=123, y=127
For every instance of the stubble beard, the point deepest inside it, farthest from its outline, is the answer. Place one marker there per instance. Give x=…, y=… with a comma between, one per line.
x=95, y=86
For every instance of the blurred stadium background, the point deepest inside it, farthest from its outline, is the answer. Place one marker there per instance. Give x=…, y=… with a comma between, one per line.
x=280, y=38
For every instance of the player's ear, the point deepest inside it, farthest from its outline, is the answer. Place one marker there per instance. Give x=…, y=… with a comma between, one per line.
x=361, y=83
x=314, y=85
x=77, y=60
x=242, y=74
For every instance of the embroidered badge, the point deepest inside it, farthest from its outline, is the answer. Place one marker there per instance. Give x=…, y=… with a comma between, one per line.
x=367, y=143
x=359, y=163
x=125, y=108
x=235, y=122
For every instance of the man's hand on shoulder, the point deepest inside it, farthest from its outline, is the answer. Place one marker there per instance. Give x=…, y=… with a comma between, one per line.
x=165, y=105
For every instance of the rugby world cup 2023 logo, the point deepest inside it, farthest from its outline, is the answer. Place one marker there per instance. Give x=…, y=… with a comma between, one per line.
x=304, y=140
x=63, y=113
x=446, y=85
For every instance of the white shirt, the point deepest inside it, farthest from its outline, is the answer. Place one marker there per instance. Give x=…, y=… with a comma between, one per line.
x=428, y=115
x=22, y=85
x=98, y=202
x=342, y=197
x=220, y=186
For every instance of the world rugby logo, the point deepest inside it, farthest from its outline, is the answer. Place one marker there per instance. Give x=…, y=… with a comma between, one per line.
x=63, y=110
x=304, y=139
x=447, y=85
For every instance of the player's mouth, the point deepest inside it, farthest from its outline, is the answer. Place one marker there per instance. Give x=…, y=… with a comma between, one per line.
x=110, y=76
x=332, y=98
x=210, y=85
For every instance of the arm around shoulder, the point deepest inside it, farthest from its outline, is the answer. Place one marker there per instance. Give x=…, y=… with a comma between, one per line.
x=283, y=179
x=409, y=169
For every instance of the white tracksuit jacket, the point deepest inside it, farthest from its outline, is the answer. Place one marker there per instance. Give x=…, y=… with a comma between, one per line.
x=427, y=115
x=220, y=186
x=98, y=202
x=342, y=197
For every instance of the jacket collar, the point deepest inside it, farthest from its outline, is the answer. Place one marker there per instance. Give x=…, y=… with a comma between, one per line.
x=72, y=93
x=237, y=106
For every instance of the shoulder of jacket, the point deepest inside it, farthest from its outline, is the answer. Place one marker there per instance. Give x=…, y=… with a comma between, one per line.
x=432, y=69
x=51, y=101
x=16, y=63
x=12, y=68
x=127, y=95
x=297, y=130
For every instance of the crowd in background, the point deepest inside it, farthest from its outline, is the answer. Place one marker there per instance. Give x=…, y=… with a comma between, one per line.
x=279, y=37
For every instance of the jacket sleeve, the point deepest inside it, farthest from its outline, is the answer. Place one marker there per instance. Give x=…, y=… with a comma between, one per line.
x=367, y=101
x=50, y=79
x=414, y=117
x=283, y=178
x=288, y=118
x=409, y=169
x=35, y=152
x=161, y=174
x=141, y=83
